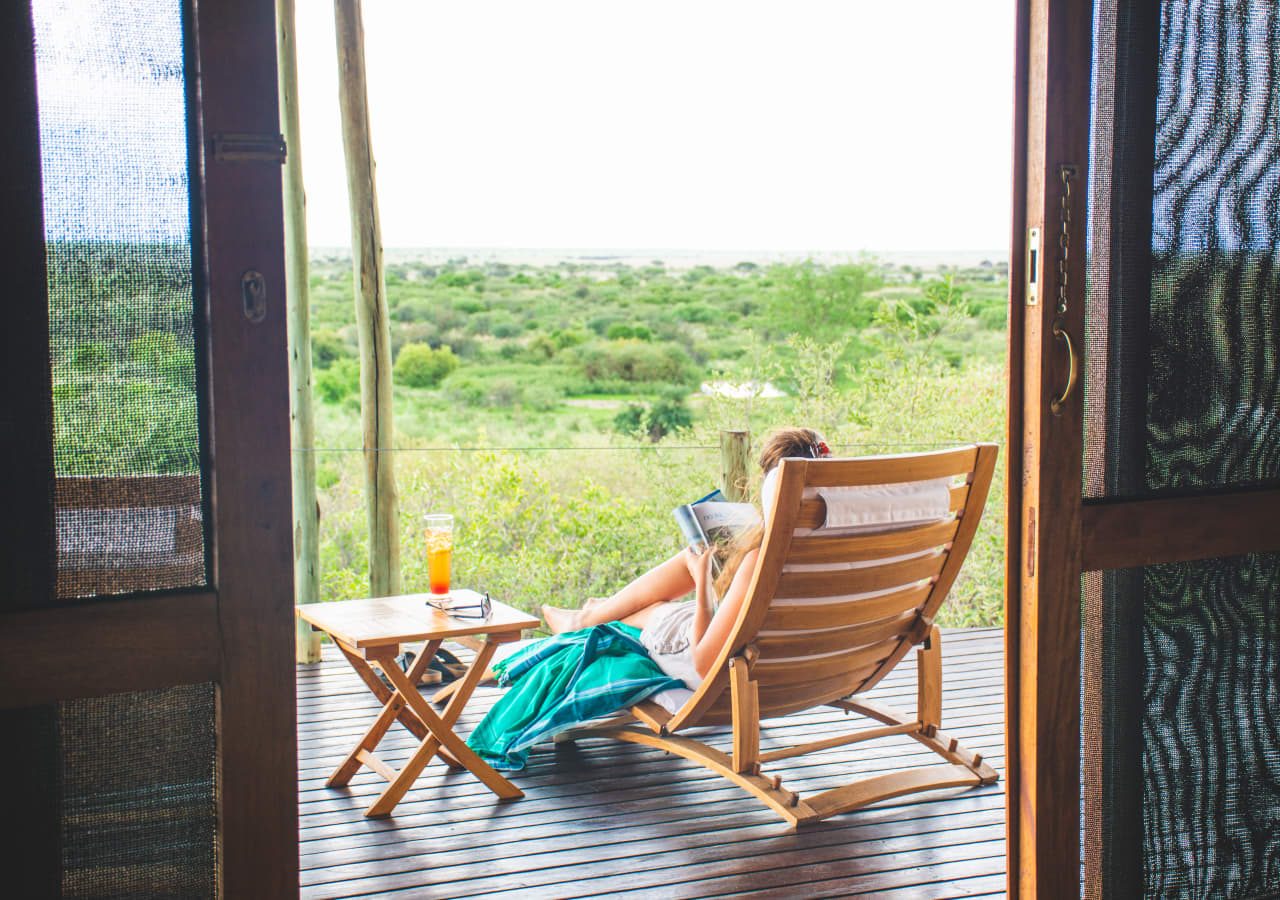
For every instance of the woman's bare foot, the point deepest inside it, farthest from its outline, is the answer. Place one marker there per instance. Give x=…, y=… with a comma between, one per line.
x=561, y=620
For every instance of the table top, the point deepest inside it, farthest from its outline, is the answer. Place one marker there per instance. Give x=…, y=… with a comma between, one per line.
x=407, y=618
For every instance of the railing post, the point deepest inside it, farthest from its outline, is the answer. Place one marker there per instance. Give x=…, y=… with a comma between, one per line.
x=306, y=512
x=371, y=304
x=735, y=451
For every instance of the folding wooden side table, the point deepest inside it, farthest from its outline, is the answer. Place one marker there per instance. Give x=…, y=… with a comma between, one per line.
x=373, y=631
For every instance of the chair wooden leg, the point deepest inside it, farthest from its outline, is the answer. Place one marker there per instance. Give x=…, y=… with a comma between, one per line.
x=929, y=681
x=939, y=742
x=746, y=718
x=788, y=804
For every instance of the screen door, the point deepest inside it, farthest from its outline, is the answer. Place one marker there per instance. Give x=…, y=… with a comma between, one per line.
x=145, y=634
x=1147, y=612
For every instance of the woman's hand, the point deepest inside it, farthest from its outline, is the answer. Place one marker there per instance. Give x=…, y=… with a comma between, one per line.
x=699, y=564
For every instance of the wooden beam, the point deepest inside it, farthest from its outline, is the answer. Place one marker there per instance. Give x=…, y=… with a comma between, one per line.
x=735, y=456
x=107, y=647
x=1122, y=535
x=371, y=304
x=26, y=411
x=306, y=509
x=248, y=443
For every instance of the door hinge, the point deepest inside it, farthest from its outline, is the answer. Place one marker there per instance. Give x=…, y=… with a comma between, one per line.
x=249, y=148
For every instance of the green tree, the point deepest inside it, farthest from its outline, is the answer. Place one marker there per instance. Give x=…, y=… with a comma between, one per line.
x=339, y=381
x=821, y=302
x=327, y=347
x=421, y=367
x=669, y=414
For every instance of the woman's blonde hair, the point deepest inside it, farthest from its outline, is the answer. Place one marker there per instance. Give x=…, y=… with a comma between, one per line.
x=778, y=445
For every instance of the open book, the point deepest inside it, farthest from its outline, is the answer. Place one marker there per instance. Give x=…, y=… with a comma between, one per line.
x=715, y=522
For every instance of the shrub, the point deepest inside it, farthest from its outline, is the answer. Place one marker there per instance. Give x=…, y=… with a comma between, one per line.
x=636, y=362
x=327, y=347
x=91, y=357
x=504, y=325
x=151, y=348
x=668, y=414
x=622, y=331
x=421, y=367
x=339, y=381
x=464, y=389
x=821, y=302
x=993, y=318
x=502, y=387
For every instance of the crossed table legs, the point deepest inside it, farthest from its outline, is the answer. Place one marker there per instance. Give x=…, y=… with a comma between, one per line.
x=434, y=730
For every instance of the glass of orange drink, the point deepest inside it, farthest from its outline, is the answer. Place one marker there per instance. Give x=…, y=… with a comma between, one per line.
x=439, y=533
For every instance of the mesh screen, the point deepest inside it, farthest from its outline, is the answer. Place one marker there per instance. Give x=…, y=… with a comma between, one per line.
x=114, y=154
x=1181, y=681
x=1182, y=388
x=139, y=801
x=1203, y=734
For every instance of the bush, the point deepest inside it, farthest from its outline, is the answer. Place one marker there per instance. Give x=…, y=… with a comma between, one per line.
x=327, y=347
x=339, y=381
x=91, y=357
x=150, y=349
x=465, y=389
x=421, y=367
x=816, y=301
x=502, y=387
x=668, y=414
x=993, y=318
x=622, y=331
x=636, y=361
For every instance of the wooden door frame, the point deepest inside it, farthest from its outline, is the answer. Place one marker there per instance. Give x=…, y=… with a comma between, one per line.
x=1042, y=606
x=251, y=497
x=237, y=633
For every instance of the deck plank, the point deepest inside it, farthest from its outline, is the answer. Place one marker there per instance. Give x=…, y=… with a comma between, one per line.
x=601, y=817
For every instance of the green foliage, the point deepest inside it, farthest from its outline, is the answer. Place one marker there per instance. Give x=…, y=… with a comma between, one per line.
x=327, y=347
x=150, y=349
x=582, y=356
x=338, y=382
x=95, y=356
x=422, y=367
x=669, y=414
x=124, y=425
x=621, y=331
x=816, y=301
x=636, y=361
x=504, y=388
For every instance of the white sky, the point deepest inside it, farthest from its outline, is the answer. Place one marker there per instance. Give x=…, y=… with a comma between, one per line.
x=701, y=124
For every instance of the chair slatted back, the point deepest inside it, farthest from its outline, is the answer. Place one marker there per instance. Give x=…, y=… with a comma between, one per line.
x=829, y=614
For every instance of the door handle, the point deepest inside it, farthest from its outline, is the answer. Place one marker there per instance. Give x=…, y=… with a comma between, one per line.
x=1057, y=404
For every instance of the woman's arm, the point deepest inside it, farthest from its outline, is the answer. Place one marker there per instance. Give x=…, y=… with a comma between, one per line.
x=700, y=571
x=708, y=643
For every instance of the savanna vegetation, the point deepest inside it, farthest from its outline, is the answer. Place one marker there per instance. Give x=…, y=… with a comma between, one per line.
x=561, y=411
x=558, y=411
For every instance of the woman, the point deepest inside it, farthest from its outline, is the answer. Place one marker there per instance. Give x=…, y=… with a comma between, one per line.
x=636, y=644
x=684, y=638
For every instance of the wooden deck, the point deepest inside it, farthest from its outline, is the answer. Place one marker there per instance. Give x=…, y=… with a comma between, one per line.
x=602, y=817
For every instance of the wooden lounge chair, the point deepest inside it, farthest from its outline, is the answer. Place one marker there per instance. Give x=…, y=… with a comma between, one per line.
x=806, y=638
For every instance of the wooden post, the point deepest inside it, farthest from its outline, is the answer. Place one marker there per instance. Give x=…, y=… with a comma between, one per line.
x=371, y=304
x=735, y=451
x=306, y=511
